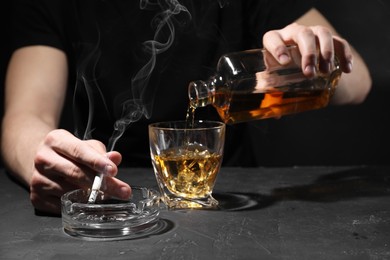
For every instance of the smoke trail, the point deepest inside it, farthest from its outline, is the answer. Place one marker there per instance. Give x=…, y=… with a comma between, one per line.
x=82, y=76
x=163, y=24
x=223, y=3
x=134, y=109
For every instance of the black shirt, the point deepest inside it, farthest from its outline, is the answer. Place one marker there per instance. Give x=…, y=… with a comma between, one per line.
x=131, y=61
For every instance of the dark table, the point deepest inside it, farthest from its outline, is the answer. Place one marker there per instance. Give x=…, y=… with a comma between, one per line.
x=266, y=213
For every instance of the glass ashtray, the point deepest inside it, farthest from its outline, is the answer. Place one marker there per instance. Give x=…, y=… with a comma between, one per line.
x=109, y=218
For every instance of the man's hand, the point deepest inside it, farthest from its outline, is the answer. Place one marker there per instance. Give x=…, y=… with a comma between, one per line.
x=64, y=163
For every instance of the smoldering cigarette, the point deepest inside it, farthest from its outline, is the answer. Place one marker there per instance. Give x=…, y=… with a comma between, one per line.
x=97, y=183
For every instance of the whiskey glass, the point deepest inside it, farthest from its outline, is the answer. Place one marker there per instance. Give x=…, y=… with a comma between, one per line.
x=186, y=161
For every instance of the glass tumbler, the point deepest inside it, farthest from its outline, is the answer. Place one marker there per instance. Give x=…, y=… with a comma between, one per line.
x=186, y=161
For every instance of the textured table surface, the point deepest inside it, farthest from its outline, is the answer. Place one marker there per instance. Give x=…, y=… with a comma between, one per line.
x=266, y=213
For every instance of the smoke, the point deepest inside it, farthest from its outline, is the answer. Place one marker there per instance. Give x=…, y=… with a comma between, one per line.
x=223, y=3
x=141, y=101
x=87, y=78
x=164, y=35
x=169, y=13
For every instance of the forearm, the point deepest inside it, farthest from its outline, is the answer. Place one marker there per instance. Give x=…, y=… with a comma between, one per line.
x=353, y=87
x=34, y=95
x=21, y=136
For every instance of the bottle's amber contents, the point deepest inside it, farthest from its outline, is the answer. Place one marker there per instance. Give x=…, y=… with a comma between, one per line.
x=240, y=106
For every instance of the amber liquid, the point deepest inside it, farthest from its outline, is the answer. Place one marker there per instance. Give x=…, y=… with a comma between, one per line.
x=188, y=172
x=254, y=106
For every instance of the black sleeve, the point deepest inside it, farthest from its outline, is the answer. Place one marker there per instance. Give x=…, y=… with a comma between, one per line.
x=273, y=14
x=37, y=22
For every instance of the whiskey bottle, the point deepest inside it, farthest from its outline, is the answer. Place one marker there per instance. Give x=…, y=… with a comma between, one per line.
x=252, y=85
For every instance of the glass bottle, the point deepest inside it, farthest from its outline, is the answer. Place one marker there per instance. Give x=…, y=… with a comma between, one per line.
x=252, y=85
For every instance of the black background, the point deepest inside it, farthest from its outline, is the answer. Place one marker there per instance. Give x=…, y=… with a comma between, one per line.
x=336, y=135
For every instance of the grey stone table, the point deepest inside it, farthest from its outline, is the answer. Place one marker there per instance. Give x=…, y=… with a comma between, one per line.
x=265, y=213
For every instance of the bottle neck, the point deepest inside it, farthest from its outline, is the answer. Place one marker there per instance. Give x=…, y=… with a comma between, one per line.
x=201, y=93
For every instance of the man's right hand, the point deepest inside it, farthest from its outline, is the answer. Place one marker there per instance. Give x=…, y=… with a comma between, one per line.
x=64, y=163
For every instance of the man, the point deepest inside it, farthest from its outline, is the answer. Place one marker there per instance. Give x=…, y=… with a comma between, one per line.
x=110, y=49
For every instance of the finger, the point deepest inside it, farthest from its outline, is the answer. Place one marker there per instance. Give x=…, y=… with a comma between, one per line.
x=115, y=157
x=40, y=183
x=54, y=166
x=326, y=48
x=51, y=183
x=80, y=151
x=97, y=145
x=307, y=44
x=45, y=194
x=302, y=36
x=274, y=43
x=344, y=54
x=116, y=188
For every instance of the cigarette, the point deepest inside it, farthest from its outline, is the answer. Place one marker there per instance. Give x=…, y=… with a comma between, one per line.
x=97, y=183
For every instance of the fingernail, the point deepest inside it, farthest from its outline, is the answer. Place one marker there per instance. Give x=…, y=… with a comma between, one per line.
x=349, y=65
x=284, y=58
x=310, y=69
